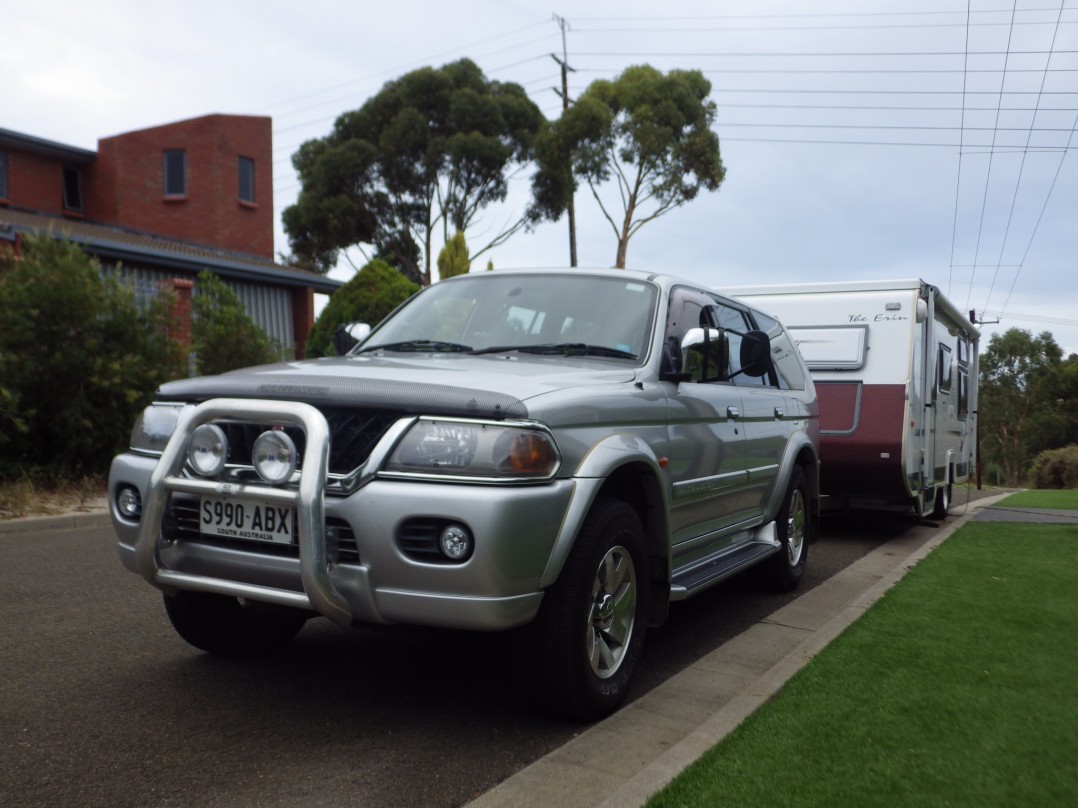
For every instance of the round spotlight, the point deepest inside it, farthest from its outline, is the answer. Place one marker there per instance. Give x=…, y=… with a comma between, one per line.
x=129, y=503
x=207, y=450
x=456, y=543
x=274, y=456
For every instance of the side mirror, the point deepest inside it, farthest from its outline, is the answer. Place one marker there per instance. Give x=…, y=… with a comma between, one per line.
x=706, y=353
x=755, y=353
x=348, y=335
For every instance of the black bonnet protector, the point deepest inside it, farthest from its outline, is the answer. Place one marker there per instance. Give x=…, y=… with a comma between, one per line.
x=414, y=398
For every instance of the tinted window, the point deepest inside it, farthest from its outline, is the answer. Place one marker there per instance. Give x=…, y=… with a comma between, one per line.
x=736, y=324
x=3, y=175
x=783, y=354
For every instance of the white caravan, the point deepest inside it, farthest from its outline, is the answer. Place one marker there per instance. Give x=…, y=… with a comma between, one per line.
x=895, y=367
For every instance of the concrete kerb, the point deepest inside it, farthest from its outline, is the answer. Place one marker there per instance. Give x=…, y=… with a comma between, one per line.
x=666, y=730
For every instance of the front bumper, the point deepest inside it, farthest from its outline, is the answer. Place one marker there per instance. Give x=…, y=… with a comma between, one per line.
x=515, y=529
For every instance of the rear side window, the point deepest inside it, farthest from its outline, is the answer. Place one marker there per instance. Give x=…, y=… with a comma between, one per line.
x=784, y=355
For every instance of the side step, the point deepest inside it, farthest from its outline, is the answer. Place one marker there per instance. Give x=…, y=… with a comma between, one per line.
x=700, y=576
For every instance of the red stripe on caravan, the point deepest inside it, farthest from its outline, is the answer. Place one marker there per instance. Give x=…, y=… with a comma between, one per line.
x=861, y=439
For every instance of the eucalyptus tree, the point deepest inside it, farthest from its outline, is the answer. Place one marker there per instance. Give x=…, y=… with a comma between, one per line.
x=647, y=132
x=1024, y=400
x=425, y=155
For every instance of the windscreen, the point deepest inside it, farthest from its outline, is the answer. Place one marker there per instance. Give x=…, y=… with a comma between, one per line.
x=489, y=313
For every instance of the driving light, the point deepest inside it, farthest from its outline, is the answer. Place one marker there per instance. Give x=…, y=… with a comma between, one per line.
x=455, y=542
x=207, y=450
x=274, y=456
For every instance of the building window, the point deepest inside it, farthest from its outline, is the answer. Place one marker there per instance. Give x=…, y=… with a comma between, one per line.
x=3, y=175
x=247, y=180
x=175, y=172
x=72, y=189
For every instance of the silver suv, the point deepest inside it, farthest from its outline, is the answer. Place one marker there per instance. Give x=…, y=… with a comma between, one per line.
x=565, y=450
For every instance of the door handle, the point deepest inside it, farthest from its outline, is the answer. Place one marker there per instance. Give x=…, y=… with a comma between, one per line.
x=780, y=412
x=733, y=412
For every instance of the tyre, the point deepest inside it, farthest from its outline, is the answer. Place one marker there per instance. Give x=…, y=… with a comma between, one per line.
x=590, y=630
x=227, y=626
x=795, y=530
x=943, y=502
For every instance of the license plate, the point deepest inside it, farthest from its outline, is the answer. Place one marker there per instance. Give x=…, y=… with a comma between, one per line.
x=246, y=519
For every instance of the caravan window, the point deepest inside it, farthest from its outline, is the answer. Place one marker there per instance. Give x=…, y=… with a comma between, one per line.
x=963, y=378
x=963, y=393
x=944, y=367
x=834, y=348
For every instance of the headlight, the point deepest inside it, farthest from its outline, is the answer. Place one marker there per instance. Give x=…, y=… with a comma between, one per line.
x=476, y=449
x=154, y=427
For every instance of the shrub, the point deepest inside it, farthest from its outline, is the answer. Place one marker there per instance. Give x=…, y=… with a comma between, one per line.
x=375, y=291
x=78, y=358
x=1056, y=468
x=223, y=336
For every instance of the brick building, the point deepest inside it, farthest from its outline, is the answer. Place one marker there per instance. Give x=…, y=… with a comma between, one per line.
x=162, y=204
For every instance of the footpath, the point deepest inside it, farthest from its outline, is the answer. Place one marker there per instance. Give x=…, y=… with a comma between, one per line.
x=623, y=760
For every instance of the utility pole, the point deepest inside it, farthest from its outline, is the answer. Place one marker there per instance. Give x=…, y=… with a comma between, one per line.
x=564, y=63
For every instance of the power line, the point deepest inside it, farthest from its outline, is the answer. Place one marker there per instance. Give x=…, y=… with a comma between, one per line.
x=961, y=144
x=991, y=160
x=1021, y=170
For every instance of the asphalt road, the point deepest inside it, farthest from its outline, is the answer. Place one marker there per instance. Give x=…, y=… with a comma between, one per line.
x=101, y=704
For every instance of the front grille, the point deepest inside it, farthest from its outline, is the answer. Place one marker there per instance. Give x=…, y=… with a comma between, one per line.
x=352, y=436
x=181, y=524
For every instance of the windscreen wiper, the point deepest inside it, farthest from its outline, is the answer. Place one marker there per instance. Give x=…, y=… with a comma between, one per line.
x=420, y=346
x=561, y=349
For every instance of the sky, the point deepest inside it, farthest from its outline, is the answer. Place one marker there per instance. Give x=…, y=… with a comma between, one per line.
x=862, y=139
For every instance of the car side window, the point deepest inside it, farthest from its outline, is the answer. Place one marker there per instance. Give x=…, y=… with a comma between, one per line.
x=736, y=324
x=690, y=309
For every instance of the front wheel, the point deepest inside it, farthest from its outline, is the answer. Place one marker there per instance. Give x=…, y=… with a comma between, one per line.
x=590, y=630
x=227, y=626
x=794, y=523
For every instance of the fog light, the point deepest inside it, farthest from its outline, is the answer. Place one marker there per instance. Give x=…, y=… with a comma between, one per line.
x=274, y=456
x=129, y=503
x=207, y=450
x=456, y=542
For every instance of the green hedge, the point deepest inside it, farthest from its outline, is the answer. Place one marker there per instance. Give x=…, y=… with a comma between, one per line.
x=1056, y=468
x=79, y=359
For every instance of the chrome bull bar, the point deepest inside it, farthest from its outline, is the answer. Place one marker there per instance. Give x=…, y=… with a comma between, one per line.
x=319, y=592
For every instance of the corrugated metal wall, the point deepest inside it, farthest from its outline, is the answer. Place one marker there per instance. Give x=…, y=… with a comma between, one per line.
x=270, y=307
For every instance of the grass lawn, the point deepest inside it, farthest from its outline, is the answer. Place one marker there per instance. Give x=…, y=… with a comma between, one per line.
x=958, y=688
x=1062, y=500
